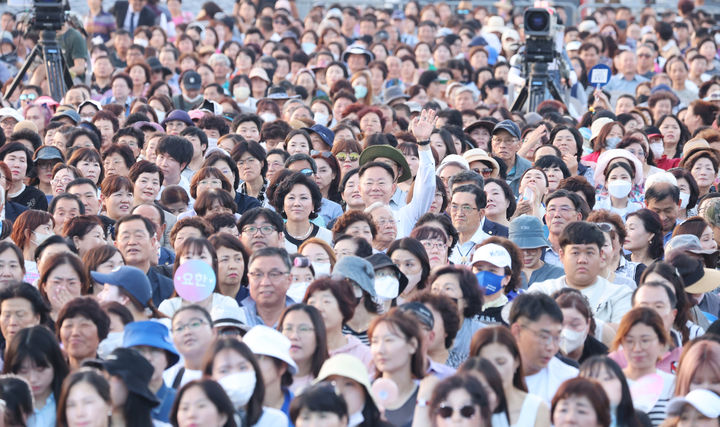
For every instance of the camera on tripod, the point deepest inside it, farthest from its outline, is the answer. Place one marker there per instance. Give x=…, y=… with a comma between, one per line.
x=540, y=33
x=48, y=15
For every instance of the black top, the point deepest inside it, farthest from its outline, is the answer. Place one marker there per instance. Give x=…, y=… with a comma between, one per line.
x=297, y=242
x=592, y=347
x=32, y=198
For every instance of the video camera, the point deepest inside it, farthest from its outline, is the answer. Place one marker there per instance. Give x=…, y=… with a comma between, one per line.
x=47, y=15
x=541, y=29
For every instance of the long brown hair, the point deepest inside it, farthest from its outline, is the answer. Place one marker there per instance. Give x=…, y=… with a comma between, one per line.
x=700, y=353
x=408, y=328
x=500, y=335
x=321, y=352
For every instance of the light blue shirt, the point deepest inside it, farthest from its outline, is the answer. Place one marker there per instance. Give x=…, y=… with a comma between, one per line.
x=46, y=416
x=618, y=84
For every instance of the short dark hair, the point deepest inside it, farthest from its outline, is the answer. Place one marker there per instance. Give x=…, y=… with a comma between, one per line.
x=268, y=214
x=130, y=131
x=661, y=191
x=270, y=251
x=507, y=192
x=553, y=162
x=319, y=398
x=575, y=184
x=286, y=185
x=123, y=150
x=218, y=156
x=177, y=147
x=252, y=148
x=465, y=176
x=376, y=164
x=144, y=166
x=56, y=200
x=576, y=200
x=480, y=198
x=79, y=181
x=341, y=290
x=198, y=133
x=89, y=308
x=582, y=233
x=533, y=305
x=149, y=226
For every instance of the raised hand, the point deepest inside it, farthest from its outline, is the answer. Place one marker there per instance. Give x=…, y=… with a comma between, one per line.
x=423, y=125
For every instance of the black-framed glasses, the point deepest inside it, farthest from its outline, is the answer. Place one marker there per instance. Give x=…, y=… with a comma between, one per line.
x=467, y=411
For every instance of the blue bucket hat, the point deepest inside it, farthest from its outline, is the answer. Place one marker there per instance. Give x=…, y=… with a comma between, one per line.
x=131, y=279
x=150, y=333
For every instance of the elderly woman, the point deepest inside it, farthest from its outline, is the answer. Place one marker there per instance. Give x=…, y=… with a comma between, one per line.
x=703, y=166
x=81, y=325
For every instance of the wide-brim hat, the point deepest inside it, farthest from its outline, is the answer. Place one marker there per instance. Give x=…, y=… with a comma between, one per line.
x=607, y=156
x=134, y=370
x=357, y=269
x=480, y=155
x=375, y=151
x=526, y=231
x=348, y=366
x=48, y=152
x=357, y=50
x=487, y=123
x=150, y=333
x=393, y=93
x=267, y=341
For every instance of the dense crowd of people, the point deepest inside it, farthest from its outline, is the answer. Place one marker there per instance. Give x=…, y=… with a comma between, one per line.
x=386, y=242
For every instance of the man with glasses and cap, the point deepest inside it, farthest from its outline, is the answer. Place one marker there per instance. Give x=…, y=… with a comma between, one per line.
x=526, y=231
x=582, y=259
x=505, y=143
x=191, y=96
x=152, y=340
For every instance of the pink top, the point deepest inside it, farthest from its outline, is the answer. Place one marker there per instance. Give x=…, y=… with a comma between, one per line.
x=355, y=347
x=668, y=363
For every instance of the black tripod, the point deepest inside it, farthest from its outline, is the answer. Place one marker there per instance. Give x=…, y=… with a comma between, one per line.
x=57, y=73
x=534, y=91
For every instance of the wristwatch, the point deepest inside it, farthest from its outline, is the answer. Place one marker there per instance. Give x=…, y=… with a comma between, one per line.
x=424, y=142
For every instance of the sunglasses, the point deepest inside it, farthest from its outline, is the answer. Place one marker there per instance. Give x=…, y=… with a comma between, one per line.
x=307, y=172
x=446, y=412
x=27, y=97
x=344, y=156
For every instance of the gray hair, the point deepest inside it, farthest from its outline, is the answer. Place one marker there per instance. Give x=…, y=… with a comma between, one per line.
x=270, y=251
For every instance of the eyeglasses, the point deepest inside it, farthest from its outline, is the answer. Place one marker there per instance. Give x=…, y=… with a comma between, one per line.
x=264, y=230
x=384, y=221
x=354, y=157
x=544, y=337
x=433, y=245
x=307, y=172
x=241, y=163
x=323, y=154
x=498, y=141
x=467, y=411
x=273, y=275
x=562, y=210
x=193, y=324
x=642, y=343
x=466, y=209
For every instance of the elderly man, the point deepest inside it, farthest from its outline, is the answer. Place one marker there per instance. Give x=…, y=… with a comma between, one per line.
x=505, y=143
x=269, y=281
x=627, y=79
x=377, y=179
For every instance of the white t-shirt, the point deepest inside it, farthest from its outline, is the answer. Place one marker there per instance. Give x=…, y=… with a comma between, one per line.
x=545, y=383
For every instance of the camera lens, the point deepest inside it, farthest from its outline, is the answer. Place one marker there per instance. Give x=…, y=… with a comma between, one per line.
x=537, y=21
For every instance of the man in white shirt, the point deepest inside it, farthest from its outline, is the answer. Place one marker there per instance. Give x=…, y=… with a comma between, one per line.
x=582, y=259
x=467, y=209
x=536, y=322
x=378, y=178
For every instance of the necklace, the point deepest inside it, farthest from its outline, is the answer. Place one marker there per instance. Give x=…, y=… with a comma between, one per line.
x=305, y=236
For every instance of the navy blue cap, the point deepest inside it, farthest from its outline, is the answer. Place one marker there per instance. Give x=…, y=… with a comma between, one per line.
x=192, y=80
x=132, y=279
x=325, y=133
x=508, y=126
x=179, y=115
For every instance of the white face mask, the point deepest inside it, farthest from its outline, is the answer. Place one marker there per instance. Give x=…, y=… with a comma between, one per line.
x=308, y=47
x=321, y=118
x=239, y=387
x=321, y=268
x=387, y=287
x=571, y=340
x=268, y=117
x=212, y=142
x=296, y=291
x=41, y=237
x=684, y=199
x=241, y=93
x=657, y=149
x=194, y=100
x=160, y=114
x=619, y=189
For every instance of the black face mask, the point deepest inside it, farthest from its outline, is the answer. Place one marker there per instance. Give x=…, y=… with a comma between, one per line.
x=642, y=98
